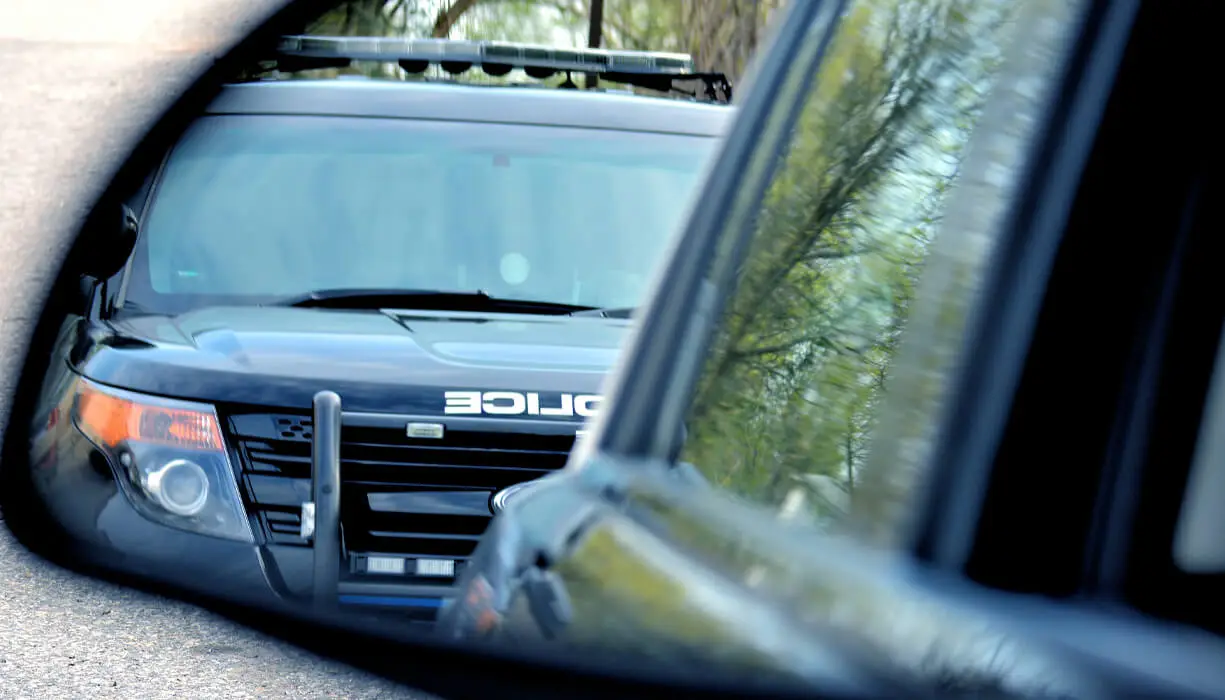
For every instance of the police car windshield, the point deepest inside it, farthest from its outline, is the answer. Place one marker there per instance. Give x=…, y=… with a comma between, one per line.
x=250, y=209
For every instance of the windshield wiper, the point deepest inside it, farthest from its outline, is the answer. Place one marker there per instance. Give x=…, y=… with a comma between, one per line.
x=623, y=312
x=425, y=299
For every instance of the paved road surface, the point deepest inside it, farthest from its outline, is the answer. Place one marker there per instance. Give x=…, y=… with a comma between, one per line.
x=65, y=636
x=78, y=78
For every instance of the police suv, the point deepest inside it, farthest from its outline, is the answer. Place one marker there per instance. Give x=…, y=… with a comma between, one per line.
x=341, y=316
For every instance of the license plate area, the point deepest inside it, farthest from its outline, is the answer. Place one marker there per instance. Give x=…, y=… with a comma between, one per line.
x=379, y=565
x=438, y=568
x=388, y=566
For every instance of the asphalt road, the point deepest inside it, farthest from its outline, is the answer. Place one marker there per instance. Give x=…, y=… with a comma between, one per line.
x=66, y=636
x=79, y=82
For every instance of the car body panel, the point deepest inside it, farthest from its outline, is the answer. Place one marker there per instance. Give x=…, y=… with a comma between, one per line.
x=651, y=567
x=508, y=105
x=388, y=362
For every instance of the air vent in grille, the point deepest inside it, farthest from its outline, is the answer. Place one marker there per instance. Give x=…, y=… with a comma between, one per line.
x=294, y=428
x=413, y=497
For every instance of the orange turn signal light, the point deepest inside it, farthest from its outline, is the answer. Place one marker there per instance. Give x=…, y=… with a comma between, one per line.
x=110, y=420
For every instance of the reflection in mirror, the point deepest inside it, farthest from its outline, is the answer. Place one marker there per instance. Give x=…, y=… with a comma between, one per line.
x=366, y=308
x=360, y=299
x=915, y=97
x=823, y=383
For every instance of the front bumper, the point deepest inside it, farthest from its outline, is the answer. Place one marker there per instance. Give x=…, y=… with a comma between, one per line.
x=104, y=530
x=122, y=541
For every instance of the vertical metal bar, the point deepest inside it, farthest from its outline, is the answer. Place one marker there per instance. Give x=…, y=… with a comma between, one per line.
x=595, y=36
x=325, y=484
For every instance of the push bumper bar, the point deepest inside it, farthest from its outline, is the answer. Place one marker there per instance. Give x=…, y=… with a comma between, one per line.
x=321, y=516
x=320, y=525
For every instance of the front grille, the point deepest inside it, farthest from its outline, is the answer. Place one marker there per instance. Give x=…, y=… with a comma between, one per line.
x=408, y=497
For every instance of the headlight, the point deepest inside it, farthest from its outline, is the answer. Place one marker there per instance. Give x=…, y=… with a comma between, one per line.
x=171, y=460
x=179, y=486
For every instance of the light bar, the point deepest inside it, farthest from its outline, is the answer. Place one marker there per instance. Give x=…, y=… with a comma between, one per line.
x=494, y=57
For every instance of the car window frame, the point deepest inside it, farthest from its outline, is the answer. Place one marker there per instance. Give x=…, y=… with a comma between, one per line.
x=1117, y=642
x=1150, y=490
x=637, y=432
x=114, y=302
x=734, y=182
x=1173, y=433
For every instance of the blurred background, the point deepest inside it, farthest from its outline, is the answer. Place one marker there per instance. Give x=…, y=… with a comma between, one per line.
x=721, y=35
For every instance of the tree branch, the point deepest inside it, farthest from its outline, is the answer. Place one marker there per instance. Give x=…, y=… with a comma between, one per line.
x=448, y=16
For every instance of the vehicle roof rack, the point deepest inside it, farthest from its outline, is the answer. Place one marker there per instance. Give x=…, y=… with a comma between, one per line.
x=654, y=70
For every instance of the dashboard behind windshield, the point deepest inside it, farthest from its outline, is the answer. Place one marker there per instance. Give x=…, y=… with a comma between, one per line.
x=253, y=208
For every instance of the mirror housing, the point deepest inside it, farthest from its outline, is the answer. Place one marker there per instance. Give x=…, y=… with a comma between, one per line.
x=112, y=245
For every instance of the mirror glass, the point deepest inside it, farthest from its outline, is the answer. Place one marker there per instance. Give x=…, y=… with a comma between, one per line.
x=367, y=297
x=452, y=244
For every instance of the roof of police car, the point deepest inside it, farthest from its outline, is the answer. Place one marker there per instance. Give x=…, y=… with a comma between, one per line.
x=451, y=102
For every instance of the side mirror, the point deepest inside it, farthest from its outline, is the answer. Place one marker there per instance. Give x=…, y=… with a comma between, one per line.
x=112, y=245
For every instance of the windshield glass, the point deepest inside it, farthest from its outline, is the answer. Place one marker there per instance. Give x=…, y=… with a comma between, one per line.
x=249, y=209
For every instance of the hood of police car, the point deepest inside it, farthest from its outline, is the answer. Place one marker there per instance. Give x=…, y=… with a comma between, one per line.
x=377, y=360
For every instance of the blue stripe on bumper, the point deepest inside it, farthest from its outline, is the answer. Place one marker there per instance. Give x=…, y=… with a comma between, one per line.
x=391, y=601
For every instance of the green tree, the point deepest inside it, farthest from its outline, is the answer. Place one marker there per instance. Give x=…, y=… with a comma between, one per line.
x=790, y=391
x=720, y=34
x=376, y=18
